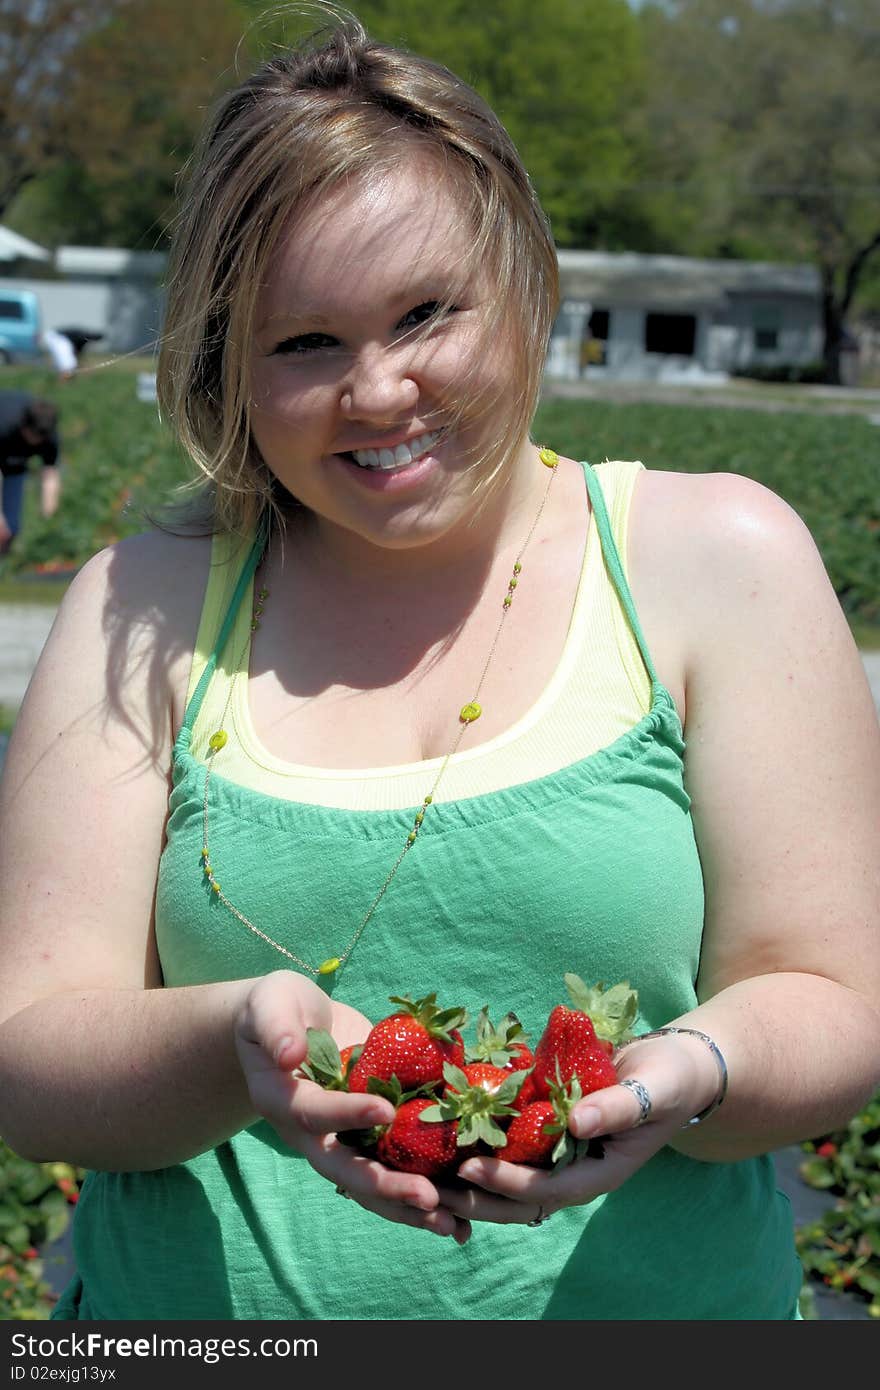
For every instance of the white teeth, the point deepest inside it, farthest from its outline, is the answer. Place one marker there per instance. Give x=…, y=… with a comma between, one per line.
x=403, y=454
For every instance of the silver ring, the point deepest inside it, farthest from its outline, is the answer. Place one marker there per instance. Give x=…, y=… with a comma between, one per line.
x=540, y=1218
x=341, y=1192
x=641, y=1094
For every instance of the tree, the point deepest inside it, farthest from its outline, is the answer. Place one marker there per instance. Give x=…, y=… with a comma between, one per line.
x=38, y=43
x=122, y=117
x=766, y=121
x=562, y=75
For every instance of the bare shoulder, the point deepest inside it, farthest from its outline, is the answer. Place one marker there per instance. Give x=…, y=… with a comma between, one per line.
x=126, y=629
x=724, y=557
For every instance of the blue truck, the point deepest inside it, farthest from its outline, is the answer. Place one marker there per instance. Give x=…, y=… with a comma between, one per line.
x=20, y=326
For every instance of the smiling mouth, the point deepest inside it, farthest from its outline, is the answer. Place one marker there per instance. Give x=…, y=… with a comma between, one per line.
x=388, y=460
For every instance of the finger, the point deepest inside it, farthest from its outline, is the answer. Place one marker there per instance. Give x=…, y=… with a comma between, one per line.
x=614, y=1110
x=273, y=1018
x=472, y=1205
x=405, y=1198
x=298, y=1108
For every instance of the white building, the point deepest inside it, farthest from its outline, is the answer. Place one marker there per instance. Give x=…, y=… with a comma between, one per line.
x=101, y=289
x=672, y=318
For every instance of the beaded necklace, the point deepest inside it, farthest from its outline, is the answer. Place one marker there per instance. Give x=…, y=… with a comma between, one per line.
x=467, y=715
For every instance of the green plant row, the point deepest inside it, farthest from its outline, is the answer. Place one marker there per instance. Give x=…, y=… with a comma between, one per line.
x=119, y=460
x=842, y=1249
x=35, y=1204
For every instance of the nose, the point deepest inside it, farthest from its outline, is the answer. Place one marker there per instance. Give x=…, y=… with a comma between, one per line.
x=378, y=385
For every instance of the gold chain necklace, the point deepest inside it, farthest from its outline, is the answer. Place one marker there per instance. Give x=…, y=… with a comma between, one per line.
x=467, y=715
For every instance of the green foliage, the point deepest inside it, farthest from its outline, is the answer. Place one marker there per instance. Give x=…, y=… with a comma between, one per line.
x=35, y=1203
x=117, y=459
x=562, y=75
x=843, y=1248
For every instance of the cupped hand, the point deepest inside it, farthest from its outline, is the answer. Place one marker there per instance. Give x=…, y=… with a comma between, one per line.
x=271, y=1043
x=514, y=1193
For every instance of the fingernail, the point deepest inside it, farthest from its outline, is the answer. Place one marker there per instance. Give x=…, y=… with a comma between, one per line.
x=469, y=1171
x=281, y=1048
x=585, y=1123
x=378, y=1115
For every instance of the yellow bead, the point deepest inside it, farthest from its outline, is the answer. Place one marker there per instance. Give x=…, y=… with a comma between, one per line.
x=420, y=817
x=517, y=569
x=205, y=853
x=468, y=713
x=427, y=801
x=264, y=593
x=327, y=967
x=512, y=584
x=411, y=838
x=507, y=602
x=548, y=457
x=218, y=740
x=215, y=885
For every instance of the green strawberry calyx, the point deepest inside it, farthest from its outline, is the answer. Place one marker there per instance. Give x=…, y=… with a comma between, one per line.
x=436, y=1021
x=475, y=1108
x=567, y=1149
x=323, y=1063
x=611, y=1011
x=496, y=1045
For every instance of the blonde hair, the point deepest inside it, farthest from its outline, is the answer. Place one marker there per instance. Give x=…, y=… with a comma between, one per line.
x=305, y=122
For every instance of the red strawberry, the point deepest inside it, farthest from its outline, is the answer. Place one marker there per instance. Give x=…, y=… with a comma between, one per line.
x=529, y=1136
x=412, y=1145
x=521, y=1058
x=482, y=1074
x=539, y=1134
x=481, y=1099
x=412, y=1045
x=577, y=1042
x=568, y=1048
x=527, y=1092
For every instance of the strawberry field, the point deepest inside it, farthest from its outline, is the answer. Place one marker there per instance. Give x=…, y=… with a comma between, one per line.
x=119, y=458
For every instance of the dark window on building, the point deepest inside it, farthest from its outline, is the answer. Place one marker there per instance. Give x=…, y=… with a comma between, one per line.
x=599, y=324
x=671, y=333
x=11, y=309
x=767, y=339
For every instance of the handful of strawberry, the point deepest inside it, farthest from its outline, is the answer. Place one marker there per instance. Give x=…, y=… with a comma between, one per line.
x=497, y=1097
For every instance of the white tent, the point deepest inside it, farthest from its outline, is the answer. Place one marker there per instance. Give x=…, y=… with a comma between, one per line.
x=14, y=247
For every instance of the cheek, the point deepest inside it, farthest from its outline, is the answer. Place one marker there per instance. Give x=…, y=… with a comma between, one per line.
x=281, y=398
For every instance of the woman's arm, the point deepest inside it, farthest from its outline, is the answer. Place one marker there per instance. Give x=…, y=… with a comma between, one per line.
x=783, y=767
x=99, y=1064
x=50, y=490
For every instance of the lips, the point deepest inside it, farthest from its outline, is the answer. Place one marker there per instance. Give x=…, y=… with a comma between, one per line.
x=388, y=460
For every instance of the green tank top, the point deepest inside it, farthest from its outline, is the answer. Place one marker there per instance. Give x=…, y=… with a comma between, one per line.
x=592, y=869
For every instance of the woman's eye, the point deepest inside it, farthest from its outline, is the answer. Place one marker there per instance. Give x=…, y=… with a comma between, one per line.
x=305, y=343
x=423, y=313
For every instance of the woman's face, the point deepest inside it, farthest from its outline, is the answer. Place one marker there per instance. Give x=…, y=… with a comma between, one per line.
x=356, y=375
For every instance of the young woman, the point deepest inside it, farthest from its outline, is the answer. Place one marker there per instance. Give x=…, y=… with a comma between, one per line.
x=215, y=784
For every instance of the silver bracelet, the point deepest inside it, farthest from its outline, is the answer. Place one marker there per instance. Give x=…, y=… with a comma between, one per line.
x=716, y=1053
